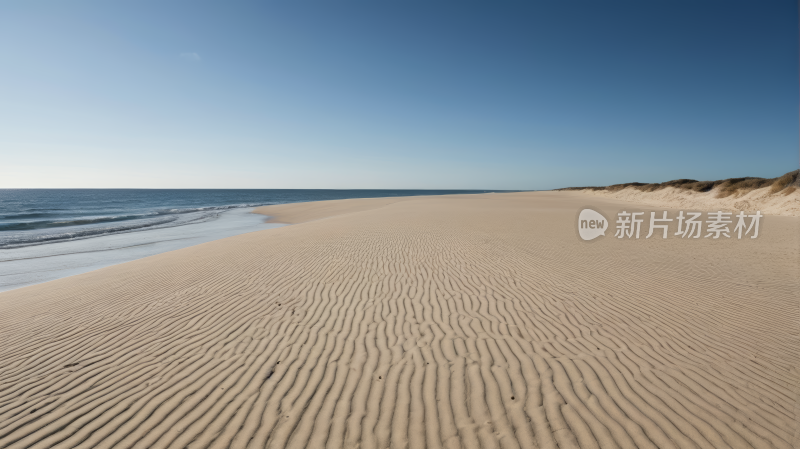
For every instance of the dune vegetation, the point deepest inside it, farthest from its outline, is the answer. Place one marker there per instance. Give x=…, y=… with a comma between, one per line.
x=784, y=185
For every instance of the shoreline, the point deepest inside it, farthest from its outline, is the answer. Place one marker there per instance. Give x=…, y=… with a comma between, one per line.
x=36, y=264
x=440, y=320
x=66, y=265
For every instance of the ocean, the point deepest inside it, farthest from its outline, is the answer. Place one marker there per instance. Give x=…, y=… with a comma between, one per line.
x=47, y=234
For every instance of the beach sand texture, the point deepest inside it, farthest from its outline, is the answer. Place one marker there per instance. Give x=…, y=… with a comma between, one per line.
x=475, y=321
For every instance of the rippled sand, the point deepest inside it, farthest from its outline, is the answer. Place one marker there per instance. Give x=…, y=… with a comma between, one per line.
x=462, y=321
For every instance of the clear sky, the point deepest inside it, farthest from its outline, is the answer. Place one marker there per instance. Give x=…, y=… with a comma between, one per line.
x=395, y=94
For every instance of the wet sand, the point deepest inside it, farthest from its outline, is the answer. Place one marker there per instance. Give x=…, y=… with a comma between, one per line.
x=454, y=321
x=35, y=264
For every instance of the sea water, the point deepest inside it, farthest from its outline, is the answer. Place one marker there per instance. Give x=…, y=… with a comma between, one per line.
x=47, y=234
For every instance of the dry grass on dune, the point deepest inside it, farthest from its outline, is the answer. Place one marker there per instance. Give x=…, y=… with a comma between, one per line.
x=784, y=181
x=725, y=187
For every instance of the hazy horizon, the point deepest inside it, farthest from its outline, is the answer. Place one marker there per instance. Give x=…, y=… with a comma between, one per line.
x=395, y=96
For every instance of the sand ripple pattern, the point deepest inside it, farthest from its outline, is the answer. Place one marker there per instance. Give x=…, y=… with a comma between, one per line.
x=474, y=322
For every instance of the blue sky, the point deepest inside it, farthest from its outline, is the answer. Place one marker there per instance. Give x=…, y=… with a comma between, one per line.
x=382, y=94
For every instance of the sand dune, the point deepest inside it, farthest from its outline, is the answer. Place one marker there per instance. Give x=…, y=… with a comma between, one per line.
x=671, y=197
x=475, y=321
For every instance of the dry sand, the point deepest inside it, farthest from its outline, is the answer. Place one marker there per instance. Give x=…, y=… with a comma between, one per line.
x=461, y=321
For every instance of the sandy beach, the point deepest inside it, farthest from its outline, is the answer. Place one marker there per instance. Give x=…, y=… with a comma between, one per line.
x=474, y=321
